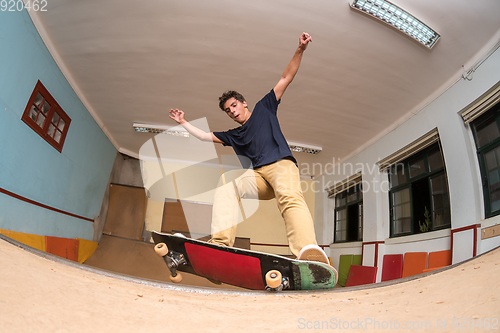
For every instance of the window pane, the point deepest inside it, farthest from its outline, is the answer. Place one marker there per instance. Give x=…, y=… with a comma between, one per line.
x=493, y=171
x=57, y=137
x=341, y=225
x=405, y=195
x=40, y=120
x=352, y=194
x=435, y=159
x=348, y=214
x=340, y=199
x=398, y=227
x=55, y=118
x=437, y=185
x=397, y=175
x=440, y=201
x=401, y=211
x=416, y=166
x=341, y=215
x=491, y=160
x=442, y=218
x=45, y=107
x=61, y=124
x=406, y=225
x=51, y=130
x=486, y=131
x=33, y=112
x=396, y=197
x=397, y=212
x=406, y=210
x=402, y=226
x=493, y=178
x=38, y=100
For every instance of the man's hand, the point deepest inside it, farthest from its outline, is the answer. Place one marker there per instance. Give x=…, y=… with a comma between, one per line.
x=293, y=66
x=304, y=40
x=177, y=115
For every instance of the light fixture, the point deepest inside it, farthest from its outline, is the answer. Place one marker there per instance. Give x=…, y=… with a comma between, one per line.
x=399, y=19
x=157, y=129
x=301, y=148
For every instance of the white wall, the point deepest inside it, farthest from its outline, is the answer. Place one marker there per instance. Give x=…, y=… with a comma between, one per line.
x=462, y=167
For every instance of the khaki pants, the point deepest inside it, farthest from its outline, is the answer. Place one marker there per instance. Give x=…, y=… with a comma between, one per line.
x=280, y=180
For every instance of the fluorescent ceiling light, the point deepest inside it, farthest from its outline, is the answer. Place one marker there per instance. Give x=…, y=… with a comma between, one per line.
x=302, y=148
x=157, y=129
x=399, y=19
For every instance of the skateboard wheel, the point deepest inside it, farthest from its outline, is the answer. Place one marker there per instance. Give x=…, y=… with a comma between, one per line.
x=177, y=278
x=273, y=279
x=161, y=249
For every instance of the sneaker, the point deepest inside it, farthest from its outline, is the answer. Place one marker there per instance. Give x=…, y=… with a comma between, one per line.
x=313, y=252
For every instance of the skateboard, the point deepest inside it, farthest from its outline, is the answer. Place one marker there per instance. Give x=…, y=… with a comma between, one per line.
x=243, y=268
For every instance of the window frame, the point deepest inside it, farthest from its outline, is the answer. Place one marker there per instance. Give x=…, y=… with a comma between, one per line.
x=360, y=218
x=481, y=151
x=410, y=183
x=410, y=194
x=55, y=108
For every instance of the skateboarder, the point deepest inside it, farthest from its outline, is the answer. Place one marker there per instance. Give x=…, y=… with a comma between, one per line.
x=275, y=173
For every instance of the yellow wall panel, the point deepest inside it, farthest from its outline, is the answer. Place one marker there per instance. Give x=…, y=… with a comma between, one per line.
x=35, y=241
x=85, y=249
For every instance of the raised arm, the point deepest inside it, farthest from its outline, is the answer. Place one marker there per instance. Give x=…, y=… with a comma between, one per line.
x=293, y=66
x=178, y=116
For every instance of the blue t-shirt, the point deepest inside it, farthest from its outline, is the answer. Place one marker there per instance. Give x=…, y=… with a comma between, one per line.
x=260, y=138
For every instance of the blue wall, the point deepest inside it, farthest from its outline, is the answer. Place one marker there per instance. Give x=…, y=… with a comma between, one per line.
x=74, y=180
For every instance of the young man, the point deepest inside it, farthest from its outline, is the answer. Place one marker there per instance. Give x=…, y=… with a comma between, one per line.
x=275, y=173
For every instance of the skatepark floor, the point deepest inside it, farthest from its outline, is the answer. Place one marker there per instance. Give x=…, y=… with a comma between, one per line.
x=42, y=293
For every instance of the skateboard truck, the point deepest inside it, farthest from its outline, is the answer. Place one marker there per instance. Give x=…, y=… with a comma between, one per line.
x=172, y=259
x=276, y=282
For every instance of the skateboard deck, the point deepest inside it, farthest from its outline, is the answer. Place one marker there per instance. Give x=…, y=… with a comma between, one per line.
x=239, y=267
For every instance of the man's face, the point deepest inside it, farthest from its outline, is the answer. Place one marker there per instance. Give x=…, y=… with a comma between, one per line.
x=237, y=110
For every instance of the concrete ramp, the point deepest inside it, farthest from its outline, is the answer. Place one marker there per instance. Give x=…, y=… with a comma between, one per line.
x=138, y=259
x=128, y=257
x=121, y=248
x=43, y=293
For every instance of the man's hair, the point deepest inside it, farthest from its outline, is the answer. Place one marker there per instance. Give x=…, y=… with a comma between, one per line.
x=229, y=94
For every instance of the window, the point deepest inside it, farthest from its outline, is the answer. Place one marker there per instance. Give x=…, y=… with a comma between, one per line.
x=46, y=117
x=418, y=193
x=486, y=130
x=349, y=215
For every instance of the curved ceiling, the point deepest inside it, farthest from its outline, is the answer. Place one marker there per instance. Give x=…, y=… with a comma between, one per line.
x=131, y=61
